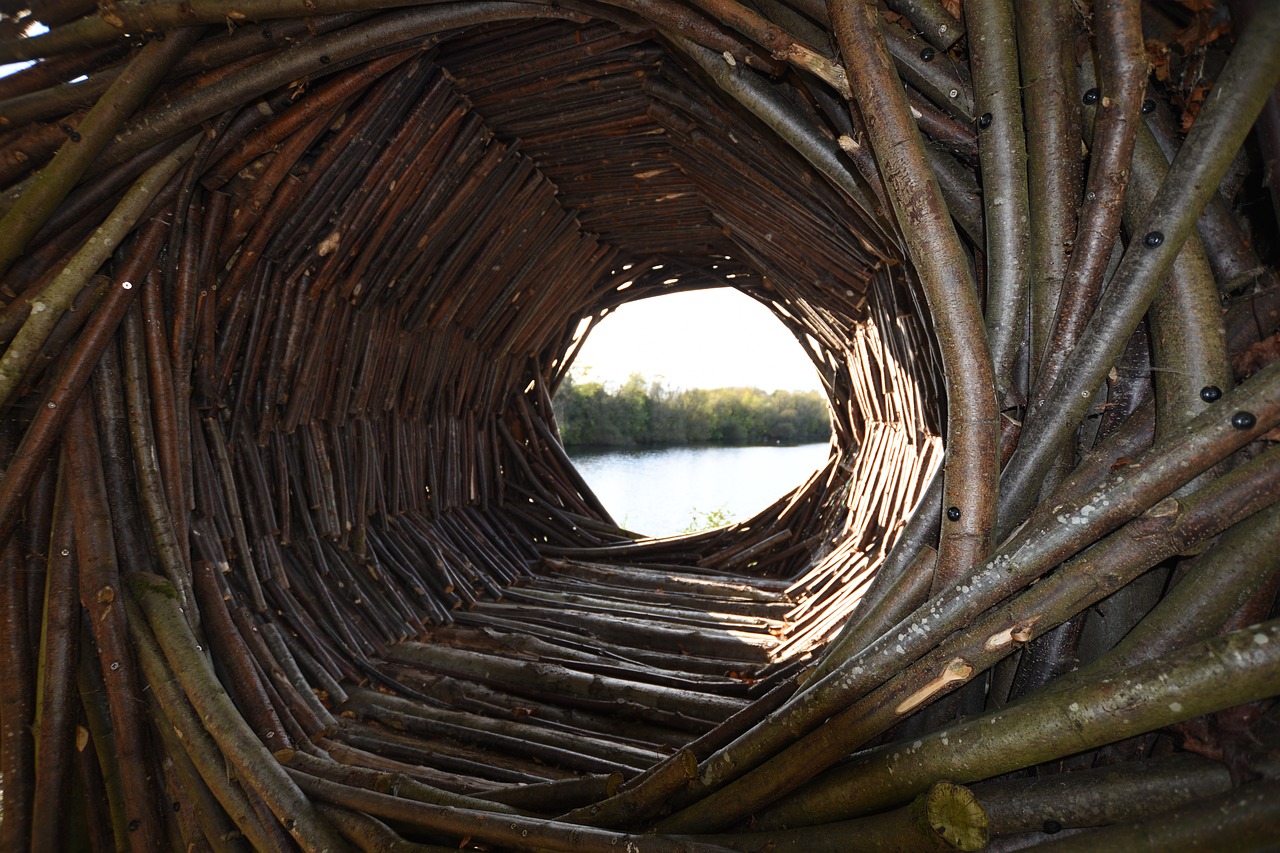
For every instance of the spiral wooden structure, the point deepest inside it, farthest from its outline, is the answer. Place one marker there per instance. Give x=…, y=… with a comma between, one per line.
x=293, y=557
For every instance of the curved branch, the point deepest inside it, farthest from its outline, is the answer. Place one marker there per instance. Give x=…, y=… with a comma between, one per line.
x=89, y=139
x=1246, y=82
x=969, y=479
x=50, y=304
x=1198, y=679
x=1053, y=150
x=1003, y=155
x=1122, y=63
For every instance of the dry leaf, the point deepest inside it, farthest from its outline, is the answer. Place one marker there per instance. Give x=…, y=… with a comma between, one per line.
x=1256, y=356
x=1159, y=60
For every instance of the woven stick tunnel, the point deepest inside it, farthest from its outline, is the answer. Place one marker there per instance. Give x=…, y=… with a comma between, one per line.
x=293, y=557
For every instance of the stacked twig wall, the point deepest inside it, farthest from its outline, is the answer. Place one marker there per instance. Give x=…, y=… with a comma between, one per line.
x=293, y=557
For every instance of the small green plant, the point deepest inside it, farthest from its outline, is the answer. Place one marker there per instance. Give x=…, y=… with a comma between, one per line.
x=718, y=517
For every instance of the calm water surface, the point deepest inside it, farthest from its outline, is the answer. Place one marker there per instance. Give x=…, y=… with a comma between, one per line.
x=660, y=492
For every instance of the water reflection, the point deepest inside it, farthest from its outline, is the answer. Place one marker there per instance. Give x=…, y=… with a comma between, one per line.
x=660, y=492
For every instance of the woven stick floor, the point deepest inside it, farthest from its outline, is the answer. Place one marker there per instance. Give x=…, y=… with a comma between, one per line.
x=293, y=557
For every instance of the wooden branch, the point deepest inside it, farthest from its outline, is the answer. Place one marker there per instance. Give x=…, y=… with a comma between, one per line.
x=235, y=739
x=1198, y=679
x=87, y=141
x=58, y=295
x=969, y=488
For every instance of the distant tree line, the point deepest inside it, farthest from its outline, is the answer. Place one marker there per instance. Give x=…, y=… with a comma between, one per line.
x=641, y=413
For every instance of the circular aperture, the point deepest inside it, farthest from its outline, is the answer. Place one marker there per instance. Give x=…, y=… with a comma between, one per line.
x=693, y=410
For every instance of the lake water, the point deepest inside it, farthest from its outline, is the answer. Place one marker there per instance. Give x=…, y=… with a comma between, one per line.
x=660, y=492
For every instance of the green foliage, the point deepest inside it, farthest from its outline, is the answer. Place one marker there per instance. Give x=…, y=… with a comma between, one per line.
x=718, y=517
x=645, y=413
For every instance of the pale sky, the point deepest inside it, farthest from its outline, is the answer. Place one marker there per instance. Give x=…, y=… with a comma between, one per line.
x=700, y=339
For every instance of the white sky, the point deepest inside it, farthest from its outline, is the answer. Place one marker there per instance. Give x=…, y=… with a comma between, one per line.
x=701, y=339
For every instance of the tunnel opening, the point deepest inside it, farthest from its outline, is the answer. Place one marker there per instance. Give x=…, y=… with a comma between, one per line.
x=690, y=410
x=280, y=357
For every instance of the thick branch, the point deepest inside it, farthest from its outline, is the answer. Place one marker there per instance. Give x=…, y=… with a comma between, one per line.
x=943, y=268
